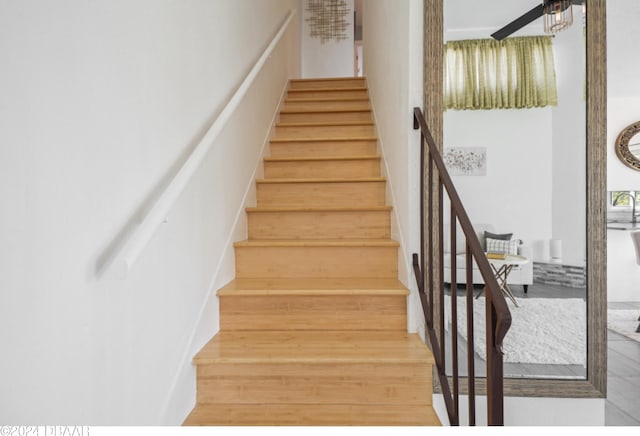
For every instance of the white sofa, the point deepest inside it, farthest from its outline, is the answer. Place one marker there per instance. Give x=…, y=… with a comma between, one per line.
x=519, y=275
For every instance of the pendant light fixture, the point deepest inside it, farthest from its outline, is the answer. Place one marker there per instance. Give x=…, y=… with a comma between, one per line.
x=558, y=15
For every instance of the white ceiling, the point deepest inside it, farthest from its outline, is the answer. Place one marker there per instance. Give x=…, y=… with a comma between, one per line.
x=466, y=14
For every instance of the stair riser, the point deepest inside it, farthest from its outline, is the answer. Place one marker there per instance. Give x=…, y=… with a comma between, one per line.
x=392, y=386
x=328, y=131
x=327, y=262
x=339, y=194
x=327, y=84
x=347, y=169
x=411, y=370
x=323, y=149
x=317, y=117
x=319, y=225
x=346, y=93
x=291, y=105
x=314, y=415
x=313, y=312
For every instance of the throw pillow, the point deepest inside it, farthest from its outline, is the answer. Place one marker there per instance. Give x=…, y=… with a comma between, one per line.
x=503, y=236
x=502, y=246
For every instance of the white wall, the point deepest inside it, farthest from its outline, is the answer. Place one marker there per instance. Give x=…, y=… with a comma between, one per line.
x=333, y=58
x=569, y=124
x=621, y=112
x=515, y=195
x=392, y=39
x=100, y=102
x=623, y=35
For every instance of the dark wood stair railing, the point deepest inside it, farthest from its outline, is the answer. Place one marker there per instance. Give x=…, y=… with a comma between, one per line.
x=498, y=316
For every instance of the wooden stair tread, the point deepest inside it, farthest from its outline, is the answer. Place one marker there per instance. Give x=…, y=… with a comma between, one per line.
x=317, y=347
x=320, y=286
x=317, y=243
x=320, y=209
x=325, y=124
x=340, y=180
x=325, y=139
x=321, y=158
x=310, y=414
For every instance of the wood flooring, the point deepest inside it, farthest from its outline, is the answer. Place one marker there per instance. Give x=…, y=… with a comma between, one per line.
x=622, y=406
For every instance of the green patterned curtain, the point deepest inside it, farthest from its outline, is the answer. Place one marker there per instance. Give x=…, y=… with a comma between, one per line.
x=514, y=73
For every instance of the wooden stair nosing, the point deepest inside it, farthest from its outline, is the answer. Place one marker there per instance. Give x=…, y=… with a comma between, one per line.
x=329, y=89
x=326, y=124
x=321, y=111
x=327, y=358
x=315, y=180
x=269, y=209
x=253, y=287
x=321, y=158
x=328, y=79
x=317, y=243
x=325, y=139
x=325, y=99
x=313, y=292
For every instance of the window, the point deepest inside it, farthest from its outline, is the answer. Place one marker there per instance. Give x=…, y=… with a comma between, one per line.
x=621, y=199
x=489, y=74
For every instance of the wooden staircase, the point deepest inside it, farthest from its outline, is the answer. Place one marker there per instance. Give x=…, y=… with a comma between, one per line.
x=313, y=330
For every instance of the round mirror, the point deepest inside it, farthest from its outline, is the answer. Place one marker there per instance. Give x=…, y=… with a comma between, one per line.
x=628, y=146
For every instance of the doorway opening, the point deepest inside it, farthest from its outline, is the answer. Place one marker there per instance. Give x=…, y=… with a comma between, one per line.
x=357, y=38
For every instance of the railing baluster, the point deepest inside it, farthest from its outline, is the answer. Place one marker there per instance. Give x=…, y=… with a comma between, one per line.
x=471, y=363
x=454, y=313
x=498, y=316
x=422, y=247
x=495, y=398
x=441, y=269
x=430, y=214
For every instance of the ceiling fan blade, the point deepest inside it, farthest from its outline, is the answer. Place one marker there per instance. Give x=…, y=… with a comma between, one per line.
x=519, y=23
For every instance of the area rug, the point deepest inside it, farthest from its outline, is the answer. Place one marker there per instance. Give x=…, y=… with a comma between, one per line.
x=543, y=330
x=624, y=322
